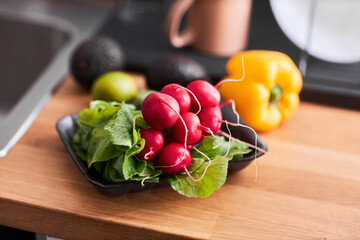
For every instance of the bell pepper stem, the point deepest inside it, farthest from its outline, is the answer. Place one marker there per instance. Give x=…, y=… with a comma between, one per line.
x=275, y=94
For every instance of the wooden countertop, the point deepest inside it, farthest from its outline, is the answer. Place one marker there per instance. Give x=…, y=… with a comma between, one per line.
x=308, y=186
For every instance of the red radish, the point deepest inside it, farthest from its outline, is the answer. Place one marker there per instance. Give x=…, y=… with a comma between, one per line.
x=190, y=147
x=207, y=95
x=169, y=138
x=154, y=141
x=211, y=117
x=174, y=158
x=160, y=111
x=180, y=94
x=194, y=129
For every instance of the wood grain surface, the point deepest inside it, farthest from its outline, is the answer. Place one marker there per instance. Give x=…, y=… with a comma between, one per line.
x=308, y=186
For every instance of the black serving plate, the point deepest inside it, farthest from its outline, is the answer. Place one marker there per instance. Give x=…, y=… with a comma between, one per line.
x=67, y=127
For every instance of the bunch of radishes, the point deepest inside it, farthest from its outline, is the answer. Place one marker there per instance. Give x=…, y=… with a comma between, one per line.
x=188, y=114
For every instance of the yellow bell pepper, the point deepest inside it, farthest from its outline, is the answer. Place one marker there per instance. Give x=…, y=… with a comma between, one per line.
x=269, y=92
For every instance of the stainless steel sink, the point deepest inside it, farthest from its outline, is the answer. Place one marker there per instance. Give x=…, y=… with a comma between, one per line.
x=27, y=47
x=36, y=40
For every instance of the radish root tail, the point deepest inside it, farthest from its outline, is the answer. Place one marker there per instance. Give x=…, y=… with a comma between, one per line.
x=146, y=156
x=245, y=126
x=229, y=144
x=205, y=170
x=197, y=101
x=182, y=120
x=233, y=107
x=144, y=179
x=233, y=80
x=208, y=130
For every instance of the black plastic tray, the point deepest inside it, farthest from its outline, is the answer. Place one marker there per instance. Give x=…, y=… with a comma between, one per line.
x=67, y=127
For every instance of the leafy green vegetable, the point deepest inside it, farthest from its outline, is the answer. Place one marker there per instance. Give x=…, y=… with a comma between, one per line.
x=98, y=113
x=213, y=179
x=196, y=163
x=99, y=166
x=99, y=105
x=149, y=171
x=108, y=140
x=236, y=148
x=112, y=172
x=132, y=166
x=80, y=143
x=209, y=146
x=140, y=122
x=216, y=173
x=120, y=128
x=100, y=147
x=95, y=116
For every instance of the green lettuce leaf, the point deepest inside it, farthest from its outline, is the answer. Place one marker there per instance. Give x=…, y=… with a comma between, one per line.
x=120, y=128
x=99, y=166
x=149, y=173
x=98, y=113
x=108, y=138
x=213, y=179
x=132, y=167
x=236, y=148
x=209, y=146
x=128, y=167
x=121, y=170
x=112, y=172
x=99, y=105
x=140, y=122
x=80, y=143
x=196, y=163
x=216, y=173
x=100, y=147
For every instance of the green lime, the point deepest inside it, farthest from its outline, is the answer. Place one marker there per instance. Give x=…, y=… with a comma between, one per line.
x=114, y=86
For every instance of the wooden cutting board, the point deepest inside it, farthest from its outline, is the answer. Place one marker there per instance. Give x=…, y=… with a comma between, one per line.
x=308, y=186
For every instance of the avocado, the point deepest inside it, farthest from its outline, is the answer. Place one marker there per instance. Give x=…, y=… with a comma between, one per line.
x=174, y=68
x=94, y=57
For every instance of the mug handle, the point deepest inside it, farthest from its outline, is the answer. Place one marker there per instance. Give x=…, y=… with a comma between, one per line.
x=176, y=13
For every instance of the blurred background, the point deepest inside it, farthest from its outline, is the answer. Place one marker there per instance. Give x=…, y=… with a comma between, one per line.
x=322, y=37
